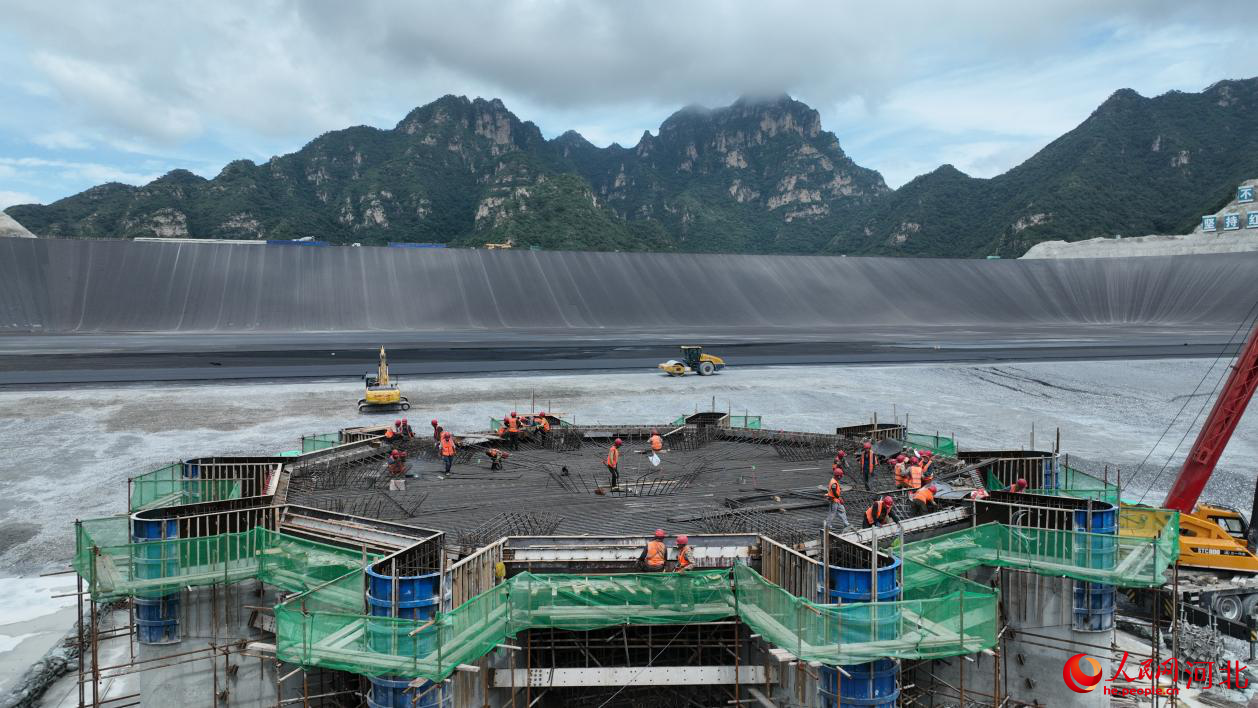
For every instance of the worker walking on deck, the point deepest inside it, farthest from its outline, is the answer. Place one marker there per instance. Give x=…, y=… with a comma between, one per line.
x=834, y=493
x=868, y=461
x=924, y=500
x=437, y=430
x=655, y=553
x=878, y=513
x=496, y=458
x=613, y=462
x=448, y=449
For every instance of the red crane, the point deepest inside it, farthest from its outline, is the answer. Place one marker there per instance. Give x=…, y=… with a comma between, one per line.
x=1218, y=429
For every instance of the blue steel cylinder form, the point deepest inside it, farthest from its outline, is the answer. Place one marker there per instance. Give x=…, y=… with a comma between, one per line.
x=417, y=599
x=1094, y=602
x=156, y=614
x=875, y=684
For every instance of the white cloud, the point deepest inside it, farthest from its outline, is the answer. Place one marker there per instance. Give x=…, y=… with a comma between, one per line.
x=90, y=171
x=61, y=140
x=8, y=199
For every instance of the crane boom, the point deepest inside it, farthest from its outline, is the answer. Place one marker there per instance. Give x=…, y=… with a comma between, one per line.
x=1218, y=429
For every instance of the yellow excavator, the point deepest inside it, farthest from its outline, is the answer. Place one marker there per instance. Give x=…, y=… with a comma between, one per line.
x=693, y=360
x=382, y=394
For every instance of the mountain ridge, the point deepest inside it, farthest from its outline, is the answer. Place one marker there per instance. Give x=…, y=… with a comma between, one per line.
x=760, y=175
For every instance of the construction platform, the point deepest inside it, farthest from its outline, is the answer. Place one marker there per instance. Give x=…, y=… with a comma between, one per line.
x=354, y=581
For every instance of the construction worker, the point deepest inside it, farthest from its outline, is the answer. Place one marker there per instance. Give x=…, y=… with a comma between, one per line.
x=915, y=473
x=868, y=460
x=898, y=471
x=397, y=463
x=657, y=443
x=924, y=499
x=655, y=553
x=496, y=458
x=928, y=459
x=437, y=430
x=1018, y=486
x=878, y=513
x=834, y=493
x=392, y=438
x=839, y=467
x=513, y=429
x=448, y=448
x=407, y=431
x=685, y=559
x=613, y=461
x=542, y=422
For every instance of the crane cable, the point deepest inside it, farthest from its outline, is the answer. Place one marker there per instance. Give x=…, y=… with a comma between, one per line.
x=1246, y=325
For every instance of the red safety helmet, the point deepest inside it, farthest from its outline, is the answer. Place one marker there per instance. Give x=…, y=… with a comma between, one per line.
x=434, y=422
x=398, y=421
x=1020, y=483
x=618, y=442
x=841, y=454
x=901, y=458
x=540, y=414
x=868, y=444
x=659, y=533
x=934, y=488
x=887, y=501
x=404, y=422
x=683, y=539
x=514, y=414
x=838, y=473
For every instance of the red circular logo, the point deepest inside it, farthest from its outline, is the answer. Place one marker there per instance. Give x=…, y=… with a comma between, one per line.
x=1082, y=673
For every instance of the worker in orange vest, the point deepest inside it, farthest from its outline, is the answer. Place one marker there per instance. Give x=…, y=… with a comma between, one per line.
x=867, y=463
x=542, y=422
x=915, y=473
x=657, y=443
x=928, y=459
x=898, y=471
x=839, y=467
x=448, y=448
x=613, y=461
x=924, y=499
x=879, y=512
x=496, y=458
x=655, y=553
x=513, y=430
x=834, y=494
x=685, y=558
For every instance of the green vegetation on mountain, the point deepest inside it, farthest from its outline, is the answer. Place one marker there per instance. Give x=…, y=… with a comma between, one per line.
x=759, y=176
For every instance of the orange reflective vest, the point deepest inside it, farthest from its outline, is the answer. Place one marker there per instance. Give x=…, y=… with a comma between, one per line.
x=868, y=461
x=924, y=495
x=613, y=457
x=388, y=434
x=915, y=477
x=683, y=558
x=545, y=423
x=447, y=447
x=513, y=424
x=655, y=553
x=898, y=473
x=657, y=443
x=835, y=492
x=875, y=513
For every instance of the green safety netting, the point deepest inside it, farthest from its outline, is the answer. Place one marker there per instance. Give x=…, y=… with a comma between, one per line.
x=749, y=422
x=1078, y=484
x=1146, y=545
x=323, y=441
x=938, y=444
x=157, y=568
x=167, y=486
x=939, y=613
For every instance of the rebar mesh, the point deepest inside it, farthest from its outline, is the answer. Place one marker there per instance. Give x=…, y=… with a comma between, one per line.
x=532, y=523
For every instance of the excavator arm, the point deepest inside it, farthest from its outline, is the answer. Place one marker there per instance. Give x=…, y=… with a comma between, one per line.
x=1217, y=430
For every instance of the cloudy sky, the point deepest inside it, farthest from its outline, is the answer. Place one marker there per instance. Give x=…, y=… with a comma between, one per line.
x=125, y=91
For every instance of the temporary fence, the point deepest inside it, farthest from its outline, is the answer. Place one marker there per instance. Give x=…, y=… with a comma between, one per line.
x=322, y=441
x=167, y=486
x=938, y=444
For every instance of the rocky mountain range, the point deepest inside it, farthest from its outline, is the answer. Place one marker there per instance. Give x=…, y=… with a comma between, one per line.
x=758, y=176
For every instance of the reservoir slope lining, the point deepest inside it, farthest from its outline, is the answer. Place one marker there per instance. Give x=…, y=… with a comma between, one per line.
x=65, y=286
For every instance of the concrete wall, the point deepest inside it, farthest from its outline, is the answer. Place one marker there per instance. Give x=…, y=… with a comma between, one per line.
x=53, y=285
